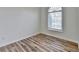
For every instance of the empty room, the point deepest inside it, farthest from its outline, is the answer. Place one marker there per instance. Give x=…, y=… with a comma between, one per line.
x=39, y=29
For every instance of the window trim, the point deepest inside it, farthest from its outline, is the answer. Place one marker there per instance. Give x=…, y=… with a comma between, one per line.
x=53, y=29
x=57, y=30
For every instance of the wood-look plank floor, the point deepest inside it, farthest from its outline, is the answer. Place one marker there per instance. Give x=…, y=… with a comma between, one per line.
x=41, y=43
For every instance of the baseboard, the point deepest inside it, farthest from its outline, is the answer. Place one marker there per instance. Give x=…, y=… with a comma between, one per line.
x=18, y=39
x=36, y=34
x=67, y=39
x=78, y=46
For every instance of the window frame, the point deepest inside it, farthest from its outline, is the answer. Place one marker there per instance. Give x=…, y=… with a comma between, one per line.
x=54, y=29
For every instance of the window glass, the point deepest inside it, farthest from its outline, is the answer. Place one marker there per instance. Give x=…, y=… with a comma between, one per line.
x=55, y=18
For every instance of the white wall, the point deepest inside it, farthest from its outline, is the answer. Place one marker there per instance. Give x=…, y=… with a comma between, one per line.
x=18, y=23
x=70, y=24
x=77, y=11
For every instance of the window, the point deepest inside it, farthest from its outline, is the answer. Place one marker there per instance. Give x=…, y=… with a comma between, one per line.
x=55, y=18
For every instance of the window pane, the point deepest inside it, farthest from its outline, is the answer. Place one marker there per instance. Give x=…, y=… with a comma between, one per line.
x=58, y=20
x=51, y=21
x=55, y=19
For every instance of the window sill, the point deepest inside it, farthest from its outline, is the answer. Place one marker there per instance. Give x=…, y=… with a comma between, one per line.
x=57, y=30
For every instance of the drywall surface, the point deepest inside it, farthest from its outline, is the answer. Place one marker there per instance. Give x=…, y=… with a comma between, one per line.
x=69, y=24
x=18, y=23
x=77, y=11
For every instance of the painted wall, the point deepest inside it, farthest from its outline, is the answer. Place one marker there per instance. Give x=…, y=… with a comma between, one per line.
x=77, y=11
x=70, y=24
x=18, y=23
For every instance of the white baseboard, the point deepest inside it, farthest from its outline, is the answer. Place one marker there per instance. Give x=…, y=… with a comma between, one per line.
x=68, y=39
x=78, y=46
x=7, y=43
x=36, y=34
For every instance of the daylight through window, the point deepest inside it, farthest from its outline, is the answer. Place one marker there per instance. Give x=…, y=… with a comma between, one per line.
x=55, y=18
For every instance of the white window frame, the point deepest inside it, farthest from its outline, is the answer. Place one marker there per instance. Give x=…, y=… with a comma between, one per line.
x=54, y=29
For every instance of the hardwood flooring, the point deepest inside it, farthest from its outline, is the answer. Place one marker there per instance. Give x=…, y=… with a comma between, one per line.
x=41, y=43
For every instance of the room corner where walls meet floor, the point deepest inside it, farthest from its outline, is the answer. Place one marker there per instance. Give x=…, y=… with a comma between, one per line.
x=41, y=43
